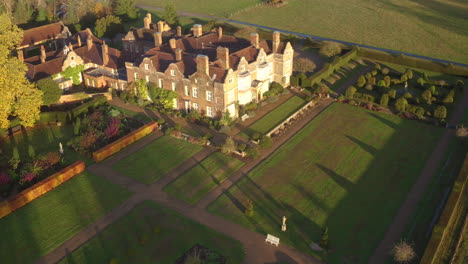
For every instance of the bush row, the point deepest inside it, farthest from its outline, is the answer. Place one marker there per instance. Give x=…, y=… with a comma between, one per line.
x=445, y=233
x=329, y=68
x=40, y=188
x=413, y=62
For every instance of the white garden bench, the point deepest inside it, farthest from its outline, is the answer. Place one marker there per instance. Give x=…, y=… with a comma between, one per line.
x=272, y=239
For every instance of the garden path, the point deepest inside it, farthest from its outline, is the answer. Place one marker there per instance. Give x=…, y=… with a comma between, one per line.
x=257, y=251
x=400, y=221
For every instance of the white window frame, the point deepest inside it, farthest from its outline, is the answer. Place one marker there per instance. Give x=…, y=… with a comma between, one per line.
x=146, y=66
x=186, y=90
x=231, y=80
x=209, y=111
x=209, y=96
x=160, y=83
x=147, y=78
x=195, y=92
x=135, y=75
x=195, y=106
x=173, y=86
x=173, y=72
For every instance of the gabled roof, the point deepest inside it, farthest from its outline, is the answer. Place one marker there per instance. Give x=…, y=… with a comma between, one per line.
x=42, y=33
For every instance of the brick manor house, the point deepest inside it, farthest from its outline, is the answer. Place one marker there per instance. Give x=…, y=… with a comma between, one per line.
x=211, y=72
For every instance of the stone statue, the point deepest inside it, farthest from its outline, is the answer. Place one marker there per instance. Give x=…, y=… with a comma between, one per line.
x=406, y=85
x=283, y=227
x=61, y=148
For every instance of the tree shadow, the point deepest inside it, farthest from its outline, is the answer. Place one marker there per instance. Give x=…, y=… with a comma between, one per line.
x=340, y=180
x=368, y=148
x=385, y=121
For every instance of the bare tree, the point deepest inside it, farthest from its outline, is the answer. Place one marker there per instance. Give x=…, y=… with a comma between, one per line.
x=403, y=252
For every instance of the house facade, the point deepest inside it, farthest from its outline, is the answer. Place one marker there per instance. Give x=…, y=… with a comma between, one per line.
x=211, y=72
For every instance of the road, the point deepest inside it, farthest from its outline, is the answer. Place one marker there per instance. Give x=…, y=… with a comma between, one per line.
x=190, y=14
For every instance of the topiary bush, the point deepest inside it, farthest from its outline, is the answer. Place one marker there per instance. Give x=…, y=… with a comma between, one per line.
x=265, y=142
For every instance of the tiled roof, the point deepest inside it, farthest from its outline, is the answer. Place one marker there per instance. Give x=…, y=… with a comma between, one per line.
x=42, y=33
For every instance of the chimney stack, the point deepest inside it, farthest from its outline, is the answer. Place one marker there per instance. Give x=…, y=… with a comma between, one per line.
x=178, y=54
x=160, y=26
x=172, y=43
x=70, y=46
x=276, y=41
x=220, y=32
x=43, y=54
x=105, y=54
x=20, y=55
x=157, y=39
x=89, y=42
x=79, y=41
x=254, y=40
x=179, y=31
x=223, y=55
x=197, y=30
x=147, y=20
x=202, y=64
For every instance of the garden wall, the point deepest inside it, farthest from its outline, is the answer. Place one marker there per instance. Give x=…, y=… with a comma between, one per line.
x=413, y=62
x=40, y=188
x=123, y=142
x=445, y=234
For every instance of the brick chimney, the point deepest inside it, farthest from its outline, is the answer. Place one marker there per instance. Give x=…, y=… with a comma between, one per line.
x=220, y=32
x=43, y=54
x=172, y=43
x=197, y=30
x=79, y=41
x=254, y=40
x=178, y=54
x=147, y=21
x=105, y=54
x=202, y=64
x=157, y=39
x=89, y=42
x=179, y=31
x=276, y=41
x=70, y=46
x=223, y=55
x=160, y=26
x=20, y=55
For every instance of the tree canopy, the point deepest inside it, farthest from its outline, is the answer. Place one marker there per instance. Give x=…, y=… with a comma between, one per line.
x=170, y=15
x=330, y=49
x=125, y=8
x=51, y=90
x=108, y=25
x=19, y=98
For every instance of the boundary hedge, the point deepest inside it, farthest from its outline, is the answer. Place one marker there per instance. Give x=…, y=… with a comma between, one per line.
x=329, y=68
x=413, y=62
x=443, y=241
x=40, y=188
x=123, y=142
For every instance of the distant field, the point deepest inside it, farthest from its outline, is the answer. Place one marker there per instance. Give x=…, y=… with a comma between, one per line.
x=435, y=28
x=348, y=170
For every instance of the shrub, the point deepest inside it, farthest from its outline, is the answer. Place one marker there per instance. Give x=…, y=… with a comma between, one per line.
x=242, y=147
x=249, y=211
x=392, y=93
x=350, y=91
x=361, y=81
x=373, y=81
x=252, y=152
x=440, y=112
x=225, y=129
x=409, y=74
x=27, y=178
x=384, y=100
x=459, y=84
x=48, y=160
x=161, y=121
x=77, y=126
x=382, y=83
x=31, y=152
x=387, y=81
x=374, y=72
x=229, y=146
x=403, y=252
x=378, y=67
x=255, y=136
x=427, y=95
x=330, y=49
x=324, y=239
x=123, y=96
x=369, y=87
x=407, y=95
x=88, y=140
x=403, y=78
x=178, y=127
x=368, y=76
x=385, y=71
x=113, y=128
x=265, y=142
x=4, y=178
x=401, y=104
x=421, y=82
x=448, y=99
x=341, y=97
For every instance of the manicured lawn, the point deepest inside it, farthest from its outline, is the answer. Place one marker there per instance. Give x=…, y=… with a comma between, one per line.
x=47, y=222
x=201, y=179
x=432, y=28
x=138, y=116
x=348, y=170
x=153, y=234
x=156, y=159
x=275, y=117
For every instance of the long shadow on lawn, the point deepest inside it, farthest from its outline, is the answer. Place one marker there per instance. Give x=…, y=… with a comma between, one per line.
x=368, y=148
x=340, y=180
x=383, y=120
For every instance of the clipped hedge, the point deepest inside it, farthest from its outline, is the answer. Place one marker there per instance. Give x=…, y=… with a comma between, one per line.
x=445, y=233
x=329, y=68
x=51, y=117
x=40, y=188
x=98, y=100
x=123, y=142
x=413, y=62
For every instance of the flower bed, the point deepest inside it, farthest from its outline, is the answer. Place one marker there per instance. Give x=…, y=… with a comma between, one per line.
x=123, y=142
x=40, y=188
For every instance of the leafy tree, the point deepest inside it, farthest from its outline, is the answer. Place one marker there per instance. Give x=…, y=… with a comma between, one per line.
x=229, y=146
x=23, y=11
x=226, y=119
x=304, y=65
x=361, y=81
x=72, y=15
x=170, y=15
x=125, y=8
x=18, y=97
x=384, y=100
x=401, y=104
x=51, y=90
x=427, y=95
x=330, y=49
x=108, y=25
x=440, y=112
x=162, y=97
x=392, y=93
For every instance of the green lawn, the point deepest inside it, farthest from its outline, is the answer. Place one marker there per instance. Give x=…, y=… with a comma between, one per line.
x=432, y=28
x=153, y=234
x=275, y=117
x=156, y=159
x=138, y=116
x=349, y=169
x=47, y=222
x=197, y=182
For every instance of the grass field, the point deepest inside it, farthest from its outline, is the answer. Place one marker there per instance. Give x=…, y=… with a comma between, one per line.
x=198, y=181
x=138, y=116
x=348, y=170
x=156, y=159
x=275, y=117
x=47, y=222
x=435, y=28
x=153, y=234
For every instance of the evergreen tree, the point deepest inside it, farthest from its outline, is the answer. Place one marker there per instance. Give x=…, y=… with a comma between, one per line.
x=170, y=15
x=384, y=100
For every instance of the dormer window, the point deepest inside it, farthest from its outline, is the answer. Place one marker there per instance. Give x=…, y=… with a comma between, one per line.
x=173, y=72
x=146, y=66
x=242, y=68
x=230, y=80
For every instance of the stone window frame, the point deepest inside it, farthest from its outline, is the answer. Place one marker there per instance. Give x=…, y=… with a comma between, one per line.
x=209, y=96
x=186, y=90
x=195, y=106
x=209, y=111
x=195, y=92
